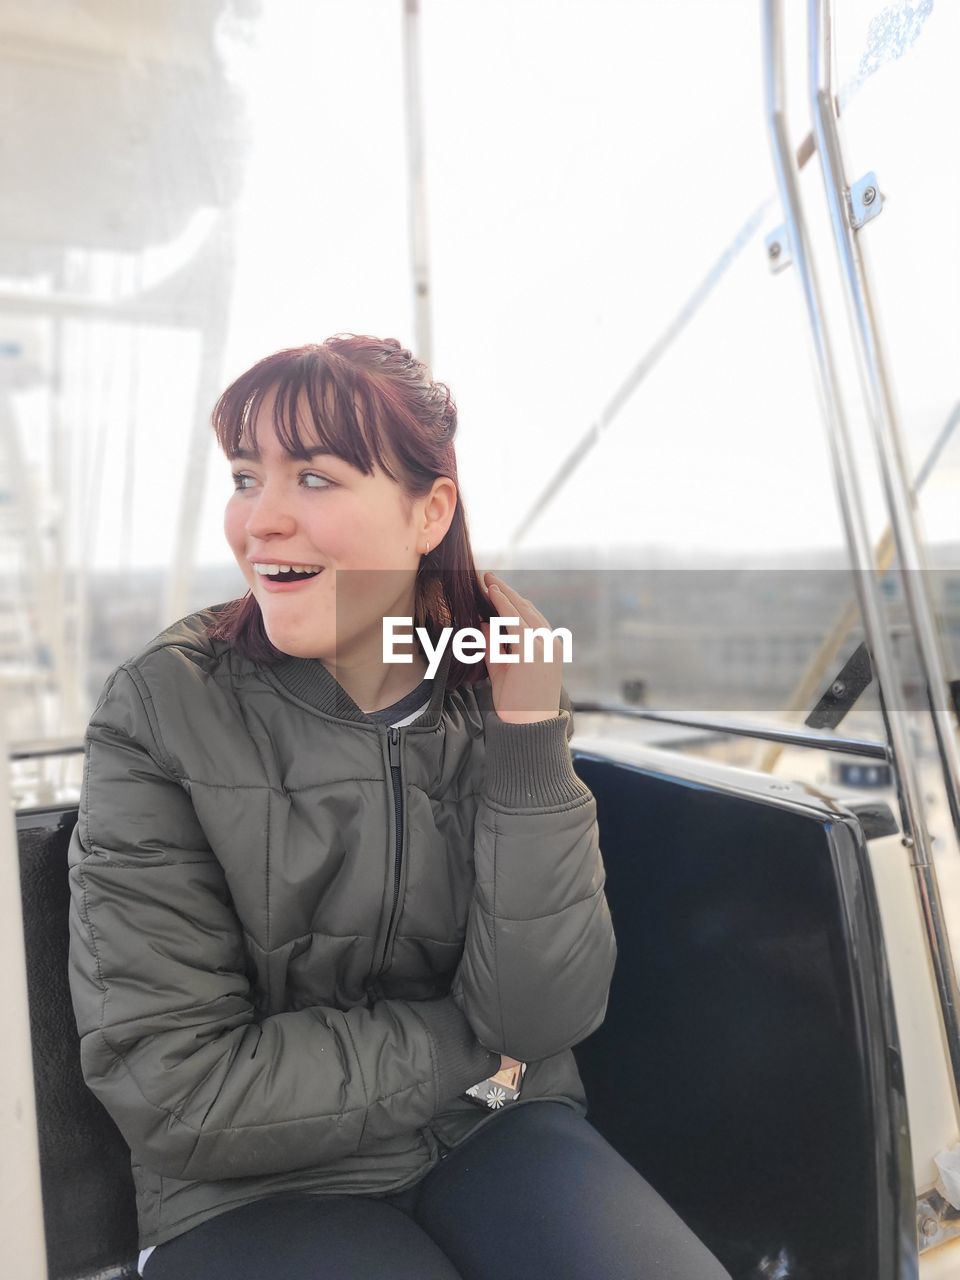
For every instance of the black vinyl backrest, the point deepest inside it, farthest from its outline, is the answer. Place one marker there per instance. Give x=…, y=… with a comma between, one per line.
x=748, y=1064
x=89, y=1209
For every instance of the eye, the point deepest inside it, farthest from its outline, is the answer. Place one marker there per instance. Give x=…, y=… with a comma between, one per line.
x=241, y=477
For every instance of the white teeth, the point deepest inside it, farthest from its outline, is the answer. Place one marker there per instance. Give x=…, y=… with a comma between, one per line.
x=269, y=570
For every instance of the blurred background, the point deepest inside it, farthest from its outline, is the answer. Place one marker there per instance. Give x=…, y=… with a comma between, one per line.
x=561, y=206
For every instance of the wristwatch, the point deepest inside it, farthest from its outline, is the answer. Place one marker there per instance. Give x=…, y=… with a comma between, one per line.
x=499, y=1090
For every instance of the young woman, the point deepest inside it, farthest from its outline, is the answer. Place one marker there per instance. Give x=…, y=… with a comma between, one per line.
x=319, y=896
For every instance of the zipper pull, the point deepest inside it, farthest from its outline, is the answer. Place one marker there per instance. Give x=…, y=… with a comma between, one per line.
x=394, y=747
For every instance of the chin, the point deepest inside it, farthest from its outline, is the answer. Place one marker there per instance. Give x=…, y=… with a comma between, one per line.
x=296, y=641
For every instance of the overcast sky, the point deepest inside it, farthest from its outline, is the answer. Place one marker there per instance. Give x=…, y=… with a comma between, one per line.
x=587, y=166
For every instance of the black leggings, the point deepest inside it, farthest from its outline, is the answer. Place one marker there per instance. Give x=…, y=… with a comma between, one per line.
x=537, y=1193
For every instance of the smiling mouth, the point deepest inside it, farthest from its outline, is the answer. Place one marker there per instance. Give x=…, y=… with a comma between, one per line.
x=286, y=574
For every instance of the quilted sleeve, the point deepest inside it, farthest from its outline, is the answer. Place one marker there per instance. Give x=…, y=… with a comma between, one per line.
x=170, y=1044
x=540, y=949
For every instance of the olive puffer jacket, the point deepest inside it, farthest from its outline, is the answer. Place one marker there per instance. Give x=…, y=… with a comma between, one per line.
x=297, y=935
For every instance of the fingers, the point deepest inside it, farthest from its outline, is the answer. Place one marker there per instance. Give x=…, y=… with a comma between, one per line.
x=509, y=602
x=501, y=593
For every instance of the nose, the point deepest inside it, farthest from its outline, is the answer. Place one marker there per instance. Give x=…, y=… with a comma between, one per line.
x=268, y=516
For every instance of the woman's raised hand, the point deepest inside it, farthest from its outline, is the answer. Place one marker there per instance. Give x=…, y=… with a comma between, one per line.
x=523, y=691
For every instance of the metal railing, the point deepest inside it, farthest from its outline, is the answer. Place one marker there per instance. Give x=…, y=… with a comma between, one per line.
x=897, y=490
x=806, y=738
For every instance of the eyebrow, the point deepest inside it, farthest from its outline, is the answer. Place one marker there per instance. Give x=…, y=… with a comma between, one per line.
x=252, y=455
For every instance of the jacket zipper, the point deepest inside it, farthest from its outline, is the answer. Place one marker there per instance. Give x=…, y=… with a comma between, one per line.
x=394, y=747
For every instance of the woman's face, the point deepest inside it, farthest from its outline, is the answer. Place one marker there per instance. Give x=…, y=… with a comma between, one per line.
x=360, y=531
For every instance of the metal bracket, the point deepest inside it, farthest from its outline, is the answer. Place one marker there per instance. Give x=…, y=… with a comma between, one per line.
x=843, y=692
x=779, y=255
x=937, y=1220
x=865, y=201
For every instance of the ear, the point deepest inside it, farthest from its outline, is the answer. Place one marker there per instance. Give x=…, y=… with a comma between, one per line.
x=438, y=508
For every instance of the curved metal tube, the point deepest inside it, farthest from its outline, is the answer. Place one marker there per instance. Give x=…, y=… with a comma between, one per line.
x=876, y=389
x=416, y=182
x=855, y=525
x=810, y=739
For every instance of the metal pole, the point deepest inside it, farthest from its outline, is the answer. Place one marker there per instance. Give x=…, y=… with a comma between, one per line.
x=909, y=793
x=417, y=192
x=901, y=499
x=220, y=251
x=810, y=739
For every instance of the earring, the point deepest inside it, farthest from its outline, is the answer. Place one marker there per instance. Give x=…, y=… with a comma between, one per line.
x=428, y=547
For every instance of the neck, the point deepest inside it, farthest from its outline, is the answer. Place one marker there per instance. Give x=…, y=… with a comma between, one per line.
x=309, y=680
x=361, y=671
x=375, y=684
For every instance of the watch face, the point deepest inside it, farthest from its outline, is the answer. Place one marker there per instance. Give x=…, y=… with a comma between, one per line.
x=499, y=1090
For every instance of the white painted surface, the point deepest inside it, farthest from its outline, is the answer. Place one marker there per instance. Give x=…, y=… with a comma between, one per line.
x=933, y=1118
x=21, y=1205
x=942, y=1263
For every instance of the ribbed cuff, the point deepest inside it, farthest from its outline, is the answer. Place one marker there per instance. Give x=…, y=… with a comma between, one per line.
x=529, y=765
x=462, y=1060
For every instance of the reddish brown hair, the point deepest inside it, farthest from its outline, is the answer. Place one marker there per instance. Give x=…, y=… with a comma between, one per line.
x=371, y=403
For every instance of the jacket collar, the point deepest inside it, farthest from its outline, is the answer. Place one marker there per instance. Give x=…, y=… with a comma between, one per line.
x=310, y=681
